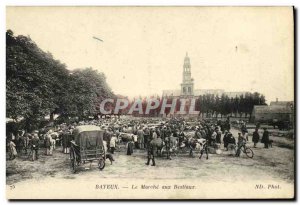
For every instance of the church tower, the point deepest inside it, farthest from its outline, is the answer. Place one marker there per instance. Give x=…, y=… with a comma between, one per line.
x=187, y=85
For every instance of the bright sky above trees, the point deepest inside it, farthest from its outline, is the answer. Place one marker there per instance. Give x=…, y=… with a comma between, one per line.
x=142, y=52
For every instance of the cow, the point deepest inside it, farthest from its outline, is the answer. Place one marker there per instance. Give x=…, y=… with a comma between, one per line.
x=195, y=145
x=160, y=146
x=124, y=137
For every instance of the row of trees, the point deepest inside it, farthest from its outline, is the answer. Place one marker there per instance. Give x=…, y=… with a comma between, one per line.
x=208, y=105
x=37, y=85
x=223, y=105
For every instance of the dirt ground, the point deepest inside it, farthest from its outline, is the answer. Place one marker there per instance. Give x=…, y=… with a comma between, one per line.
x=276, y=163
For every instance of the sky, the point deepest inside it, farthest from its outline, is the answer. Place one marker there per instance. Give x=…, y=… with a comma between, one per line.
x=143, y=48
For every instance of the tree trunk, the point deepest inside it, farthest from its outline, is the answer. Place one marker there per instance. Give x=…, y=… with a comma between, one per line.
x=52, y=117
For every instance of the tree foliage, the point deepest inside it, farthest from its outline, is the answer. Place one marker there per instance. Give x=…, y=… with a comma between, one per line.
x=214, y=105
x=37, y=85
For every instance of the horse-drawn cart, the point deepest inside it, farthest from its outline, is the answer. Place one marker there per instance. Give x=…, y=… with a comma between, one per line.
x=87, y=146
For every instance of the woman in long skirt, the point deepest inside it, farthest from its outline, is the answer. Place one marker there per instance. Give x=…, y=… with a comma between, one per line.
x=12, y=150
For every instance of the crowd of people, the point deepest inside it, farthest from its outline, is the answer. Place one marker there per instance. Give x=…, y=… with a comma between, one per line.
x=151, y=135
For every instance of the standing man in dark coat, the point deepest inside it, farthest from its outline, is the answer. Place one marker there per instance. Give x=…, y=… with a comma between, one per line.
x=150, y=155
x=225, y=140
x=157, y=130
x=198, y=133
x=181, y=137
x=163, y=133
x=108, y=137
x=34, y=144
x=231, y=139
x=140, y=134
x=168, y=147
x=265, y=138
x=176, y=133
x=227, y=124
x=146, y=137
x=219, y=135
x=231, y=146
x=203, y=133
x=255, y=138
x=129, y=146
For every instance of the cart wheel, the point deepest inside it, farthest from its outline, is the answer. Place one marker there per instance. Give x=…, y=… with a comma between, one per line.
x=249, y=152
x=73, y=159
x=101, y=163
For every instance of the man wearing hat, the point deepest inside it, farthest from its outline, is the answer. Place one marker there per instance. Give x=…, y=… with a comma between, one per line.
x=108, y=135
x=265, y=138
x=213, y=137
x=140, y=134
x=168, y=147
x=255, y=138
x=218, y=136
x=112, y=143
x=26, y=142
x=146, y=137
x=241, y=142
x=181, y=137
x=150, y=155
x=231, y=142
x=34, y=144
x=244, y=128
x=154, y=134
x=48, y=143
x=163, y=133
x=198, y=133
x=129, y=145
x=225, y=140
x=203, y=133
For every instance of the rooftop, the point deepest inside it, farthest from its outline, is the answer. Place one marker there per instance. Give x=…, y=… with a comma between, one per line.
x=271, y=109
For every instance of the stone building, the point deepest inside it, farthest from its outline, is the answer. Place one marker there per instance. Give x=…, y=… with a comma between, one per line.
x=277, y=111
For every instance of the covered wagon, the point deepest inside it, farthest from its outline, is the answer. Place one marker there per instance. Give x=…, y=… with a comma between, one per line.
x=87, y=146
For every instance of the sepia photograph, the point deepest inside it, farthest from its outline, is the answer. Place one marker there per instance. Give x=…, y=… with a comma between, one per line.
x=150, y=102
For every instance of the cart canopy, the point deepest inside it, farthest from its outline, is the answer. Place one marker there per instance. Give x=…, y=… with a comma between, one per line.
x=88, y=136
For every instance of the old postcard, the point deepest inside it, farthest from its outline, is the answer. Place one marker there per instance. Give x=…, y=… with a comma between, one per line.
x=150, y=103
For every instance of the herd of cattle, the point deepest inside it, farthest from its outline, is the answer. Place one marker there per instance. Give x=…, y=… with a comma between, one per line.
x=171, y=136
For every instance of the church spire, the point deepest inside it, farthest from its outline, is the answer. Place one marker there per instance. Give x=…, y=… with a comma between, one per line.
x=186, y=64
x=187, y=85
